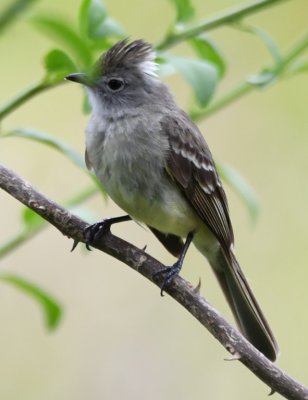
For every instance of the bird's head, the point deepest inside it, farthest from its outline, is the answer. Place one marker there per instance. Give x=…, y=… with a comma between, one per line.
x=124, y=76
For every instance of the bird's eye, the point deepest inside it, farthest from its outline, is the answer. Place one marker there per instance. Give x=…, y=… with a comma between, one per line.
x=115, y=84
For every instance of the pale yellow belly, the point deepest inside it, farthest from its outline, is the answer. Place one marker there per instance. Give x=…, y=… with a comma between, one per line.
x=169, y=212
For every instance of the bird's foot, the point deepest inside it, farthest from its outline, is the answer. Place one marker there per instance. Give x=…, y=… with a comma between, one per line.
x=170, y=273
x=174, y=270
x=95, y=232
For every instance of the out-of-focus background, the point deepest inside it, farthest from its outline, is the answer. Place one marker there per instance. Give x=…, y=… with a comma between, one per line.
x=118, y=338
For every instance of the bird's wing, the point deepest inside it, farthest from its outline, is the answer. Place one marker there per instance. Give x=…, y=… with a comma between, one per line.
x=87, y=160
x=191, y=166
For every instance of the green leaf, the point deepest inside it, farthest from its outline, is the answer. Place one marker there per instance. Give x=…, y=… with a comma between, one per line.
x=109, y=27
x=50, y=307
x=164, y=67
x=31, y=219
x=58, y=64
x=94, y=22
x=269, y=42
x=200, y=74
x=92, y=14
x=207, y=50
x=51, y=141
x=241, y=187
x=56, y=60
x=263, y=79
x=184, y=10
x=62, y=32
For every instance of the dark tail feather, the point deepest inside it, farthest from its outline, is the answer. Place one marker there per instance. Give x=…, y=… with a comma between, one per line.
x=244, y=306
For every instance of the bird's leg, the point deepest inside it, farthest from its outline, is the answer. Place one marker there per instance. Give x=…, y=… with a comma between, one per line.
x=93, y=233
x=171, y=272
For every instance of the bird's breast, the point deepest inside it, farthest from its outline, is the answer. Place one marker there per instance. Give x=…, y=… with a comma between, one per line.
x=131, y=165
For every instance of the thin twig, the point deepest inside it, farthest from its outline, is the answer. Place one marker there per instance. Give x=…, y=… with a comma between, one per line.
x=227, y=17
x=24, y=96
x=13, y=11
x=184, y=293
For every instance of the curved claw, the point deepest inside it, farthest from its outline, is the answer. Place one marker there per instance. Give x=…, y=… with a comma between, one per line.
x=171, y=273
x=75, y=244
x=93, y=233
x=88, y=247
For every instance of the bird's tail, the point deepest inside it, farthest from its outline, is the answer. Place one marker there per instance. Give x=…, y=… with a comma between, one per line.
x=244, y=306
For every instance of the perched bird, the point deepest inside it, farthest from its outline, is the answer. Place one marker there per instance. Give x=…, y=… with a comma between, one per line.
x=155, y=164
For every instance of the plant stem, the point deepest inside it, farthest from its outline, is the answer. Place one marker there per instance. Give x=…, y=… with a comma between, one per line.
x=234, y=94
x=297, y=48
x=223, y=18
x=12, y=12
x=245, y=87
x=20, y=238
x=24, y=96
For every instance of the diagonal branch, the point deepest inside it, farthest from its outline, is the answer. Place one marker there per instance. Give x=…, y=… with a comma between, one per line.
x=73, y=227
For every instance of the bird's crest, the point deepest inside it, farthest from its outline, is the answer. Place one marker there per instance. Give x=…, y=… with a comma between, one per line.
x=125, y=55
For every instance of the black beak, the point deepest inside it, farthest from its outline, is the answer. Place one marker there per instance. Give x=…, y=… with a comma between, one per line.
x=79, y=77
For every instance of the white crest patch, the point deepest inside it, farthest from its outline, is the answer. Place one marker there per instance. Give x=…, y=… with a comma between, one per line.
x=149, y=66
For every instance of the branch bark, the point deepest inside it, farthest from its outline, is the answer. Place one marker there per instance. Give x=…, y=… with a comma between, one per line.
x=182, y=291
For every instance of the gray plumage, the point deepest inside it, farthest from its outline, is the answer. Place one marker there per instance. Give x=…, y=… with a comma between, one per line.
x=155, y=164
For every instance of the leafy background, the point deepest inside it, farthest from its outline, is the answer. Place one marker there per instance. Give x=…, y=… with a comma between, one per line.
x=117, y=338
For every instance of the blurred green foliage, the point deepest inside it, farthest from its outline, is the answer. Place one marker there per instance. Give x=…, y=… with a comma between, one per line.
x=51, y=308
